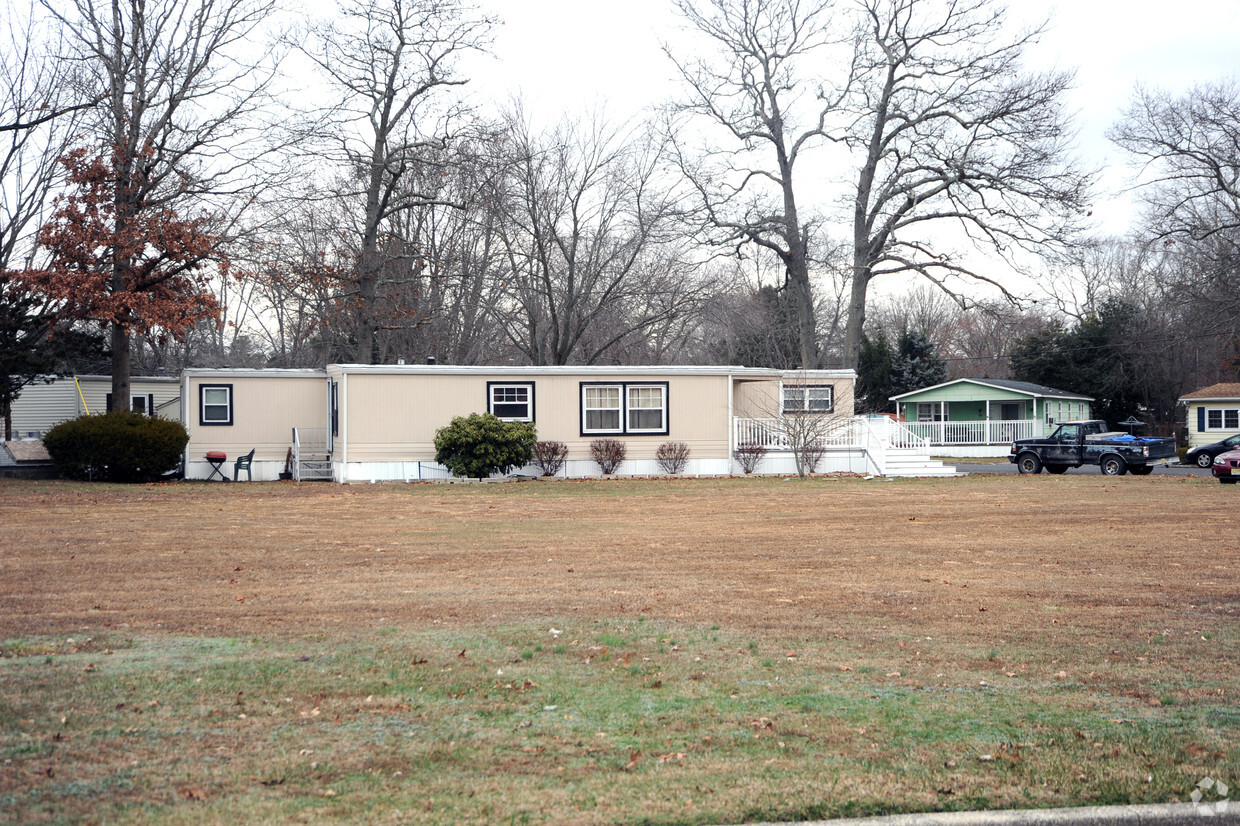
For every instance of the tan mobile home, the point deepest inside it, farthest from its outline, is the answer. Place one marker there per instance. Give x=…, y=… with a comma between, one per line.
x=378, y=422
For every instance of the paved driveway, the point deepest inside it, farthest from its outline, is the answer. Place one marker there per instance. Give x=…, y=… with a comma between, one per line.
x=1004, y=466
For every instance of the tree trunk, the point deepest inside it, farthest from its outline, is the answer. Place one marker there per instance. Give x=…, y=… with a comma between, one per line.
x=120, y=368
x=856, y=317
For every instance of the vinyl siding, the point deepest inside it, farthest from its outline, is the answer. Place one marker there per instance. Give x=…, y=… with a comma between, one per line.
x=265, y=409
x=394, y=417
x=40, y=407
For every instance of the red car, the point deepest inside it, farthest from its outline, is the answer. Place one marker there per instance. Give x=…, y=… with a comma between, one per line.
x=1227, y=467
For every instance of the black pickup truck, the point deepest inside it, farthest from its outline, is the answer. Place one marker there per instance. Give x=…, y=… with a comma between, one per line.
x=1089, y=443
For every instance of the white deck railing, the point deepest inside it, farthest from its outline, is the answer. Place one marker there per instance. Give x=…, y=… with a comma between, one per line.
x=976, y=433
x=777, y=434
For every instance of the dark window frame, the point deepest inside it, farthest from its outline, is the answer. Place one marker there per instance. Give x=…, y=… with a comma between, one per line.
x=625, y=429
x=805, y=408
x=202, y=405
x=529, y=385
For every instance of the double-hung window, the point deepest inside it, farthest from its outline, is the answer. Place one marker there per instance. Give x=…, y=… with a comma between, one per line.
x=809, y=398
x=215, y=404
x=511, y=402
x=930, y=412
x=1223, y=419
x=600, y=408
x=624, y=408
x=647, y=408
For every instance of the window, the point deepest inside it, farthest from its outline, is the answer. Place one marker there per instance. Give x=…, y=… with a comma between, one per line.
x=138, y=403
x=809, y=398
x=600, y=409
x=646, y=409
x=624, y=408
x=930, y=411
x=1231, y=419
x=511, y=402
x=215, y=404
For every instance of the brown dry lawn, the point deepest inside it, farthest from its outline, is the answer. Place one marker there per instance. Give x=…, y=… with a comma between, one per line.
x=1105, y=607
x=976, y=556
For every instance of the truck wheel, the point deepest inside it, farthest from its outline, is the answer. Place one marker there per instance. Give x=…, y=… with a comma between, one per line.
x=1112, y=466
x=1142, y=470
x=1056, y=469
x=1029, y=463
x=1204, y=461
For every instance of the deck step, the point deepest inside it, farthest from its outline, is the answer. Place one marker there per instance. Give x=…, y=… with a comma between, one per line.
x=315, y=468
x=914, y=462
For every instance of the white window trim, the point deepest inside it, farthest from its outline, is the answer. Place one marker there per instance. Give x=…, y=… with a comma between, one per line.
x=528, y=386
x=629, y=410
x=202, y=405
x=625, y=410
x=805, y=400
x=602, y=431
x=1222, y=419
x=937, y=413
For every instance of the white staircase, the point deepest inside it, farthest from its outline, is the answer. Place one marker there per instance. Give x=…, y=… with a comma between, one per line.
x=312, y=459
x=897, y=451
x=906, y=461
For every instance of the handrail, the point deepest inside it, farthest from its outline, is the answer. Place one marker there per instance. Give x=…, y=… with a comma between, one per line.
x=309, y=441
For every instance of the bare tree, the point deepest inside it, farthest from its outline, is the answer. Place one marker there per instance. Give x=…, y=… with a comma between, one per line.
x=176, y=124
x=592, y=259
x=1189, y=151
x=393, y=64
x=952, y=133
x=761, y=113
x=1188, y=148
x=978, y=342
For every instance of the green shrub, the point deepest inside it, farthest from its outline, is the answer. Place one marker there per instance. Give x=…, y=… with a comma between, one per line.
x=480, y=444
x=116, y=447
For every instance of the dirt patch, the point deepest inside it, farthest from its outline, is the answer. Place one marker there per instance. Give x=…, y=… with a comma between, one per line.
x=976, y=556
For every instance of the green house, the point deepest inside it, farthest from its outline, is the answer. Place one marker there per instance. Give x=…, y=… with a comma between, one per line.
x=982, y=417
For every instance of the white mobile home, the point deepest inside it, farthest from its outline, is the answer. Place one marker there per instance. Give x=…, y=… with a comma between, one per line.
x=378, y=422
x=45, y=404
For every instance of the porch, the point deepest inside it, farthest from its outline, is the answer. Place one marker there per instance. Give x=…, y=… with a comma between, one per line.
x=868, y=445
x=982, y=417
x=976, y=433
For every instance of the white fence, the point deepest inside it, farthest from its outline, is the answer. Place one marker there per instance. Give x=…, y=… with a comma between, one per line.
x=976, y=433
x=871, y=436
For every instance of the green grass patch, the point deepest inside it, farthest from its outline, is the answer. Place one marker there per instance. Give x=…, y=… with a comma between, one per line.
x=609, y=721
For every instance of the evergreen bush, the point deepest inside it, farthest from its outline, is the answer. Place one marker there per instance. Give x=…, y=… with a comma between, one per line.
x=481, y=444
x=116, y=447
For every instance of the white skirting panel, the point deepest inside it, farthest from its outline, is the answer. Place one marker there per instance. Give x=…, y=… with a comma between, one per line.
x=260, y=471
x=843, y=460
x=970, y=451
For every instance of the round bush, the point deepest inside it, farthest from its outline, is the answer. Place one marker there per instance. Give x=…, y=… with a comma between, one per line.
x=481, y=444
x=116, y=447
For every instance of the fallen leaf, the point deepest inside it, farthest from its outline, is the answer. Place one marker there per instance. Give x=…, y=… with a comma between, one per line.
x=461, y=656
x=633, y=758
x=192, y=793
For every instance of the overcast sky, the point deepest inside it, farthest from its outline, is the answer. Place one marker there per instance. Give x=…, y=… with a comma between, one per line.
x=573, y=55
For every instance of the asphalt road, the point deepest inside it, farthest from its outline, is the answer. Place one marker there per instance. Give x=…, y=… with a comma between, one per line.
x=1004, y=466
